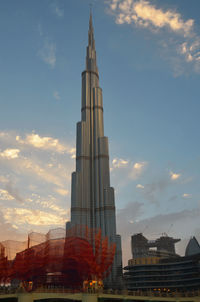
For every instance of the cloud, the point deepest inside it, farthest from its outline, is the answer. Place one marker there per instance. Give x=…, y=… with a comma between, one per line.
x=145, y=14
x=119, y=163
x=4, y=195
x=62, y=191
x=49, y=167
x=56, y=95
x=139, y=186
x=32, y=167
x=186, y=45
x=49, y=203
x=9, y=230
x=48, y=180
x=2, y=134
x=124, y=171
x=186, y=195
x=41, y=163
x=48, y=53
x=35, y=185
x=14, y=192
x=191, y=52
x=10, y=153
x=59, y=12
x=134, y=170
x=22, y=216
x=174, y=176
x=137, y=169
x=46, y=143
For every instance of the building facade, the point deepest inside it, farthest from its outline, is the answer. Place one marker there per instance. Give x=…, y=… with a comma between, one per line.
x=181, y=274
x=162, y=270
x=92, y=197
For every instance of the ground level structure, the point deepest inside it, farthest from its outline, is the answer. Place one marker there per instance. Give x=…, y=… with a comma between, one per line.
x=92, y=297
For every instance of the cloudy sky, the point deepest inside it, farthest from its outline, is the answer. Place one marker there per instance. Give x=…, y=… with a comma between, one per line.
x=149, y=62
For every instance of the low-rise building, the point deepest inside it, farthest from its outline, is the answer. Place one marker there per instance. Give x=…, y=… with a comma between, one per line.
x=161, y=273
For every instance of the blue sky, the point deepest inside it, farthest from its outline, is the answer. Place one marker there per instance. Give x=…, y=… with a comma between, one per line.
x=149, y=61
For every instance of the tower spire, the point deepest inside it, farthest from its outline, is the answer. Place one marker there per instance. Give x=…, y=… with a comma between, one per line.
x=91, y=63
x=90, y=22
x=91, y=41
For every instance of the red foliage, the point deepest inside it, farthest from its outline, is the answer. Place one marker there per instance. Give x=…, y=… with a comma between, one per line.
x=82, y=255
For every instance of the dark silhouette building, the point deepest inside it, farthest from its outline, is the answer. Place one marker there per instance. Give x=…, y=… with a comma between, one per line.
x=161, y=247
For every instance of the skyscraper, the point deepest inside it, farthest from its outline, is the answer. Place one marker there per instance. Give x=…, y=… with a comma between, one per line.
x=92, y=197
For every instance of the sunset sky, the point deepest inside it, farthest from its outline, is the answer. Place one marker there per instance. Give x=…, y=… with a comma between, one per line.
x=148, y=54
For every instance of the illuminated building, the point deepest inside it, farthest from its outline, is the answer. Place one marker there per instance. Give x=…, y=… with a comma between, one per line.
x=92, y=197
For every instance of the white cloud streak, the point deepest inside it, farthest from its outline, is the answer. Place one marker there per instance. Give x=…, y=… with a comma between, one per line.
x=146, y=15
x=62, y=192
x=31, y=167
x=21, y=216
x=45, y=143
x=59, y=12
x=48, y=53
x=48, y=203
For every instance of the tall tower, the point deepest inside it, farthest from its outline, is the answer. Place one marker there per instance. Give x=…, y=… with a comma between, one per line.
x=92, y=197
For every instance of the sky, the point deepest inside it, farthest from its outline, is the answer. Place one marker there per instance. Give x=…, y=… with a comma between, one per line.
x=148, y=54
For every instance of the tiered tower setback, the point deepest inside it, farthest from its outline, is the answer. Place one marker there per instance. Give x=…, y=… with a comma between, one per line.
x=92, y=197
